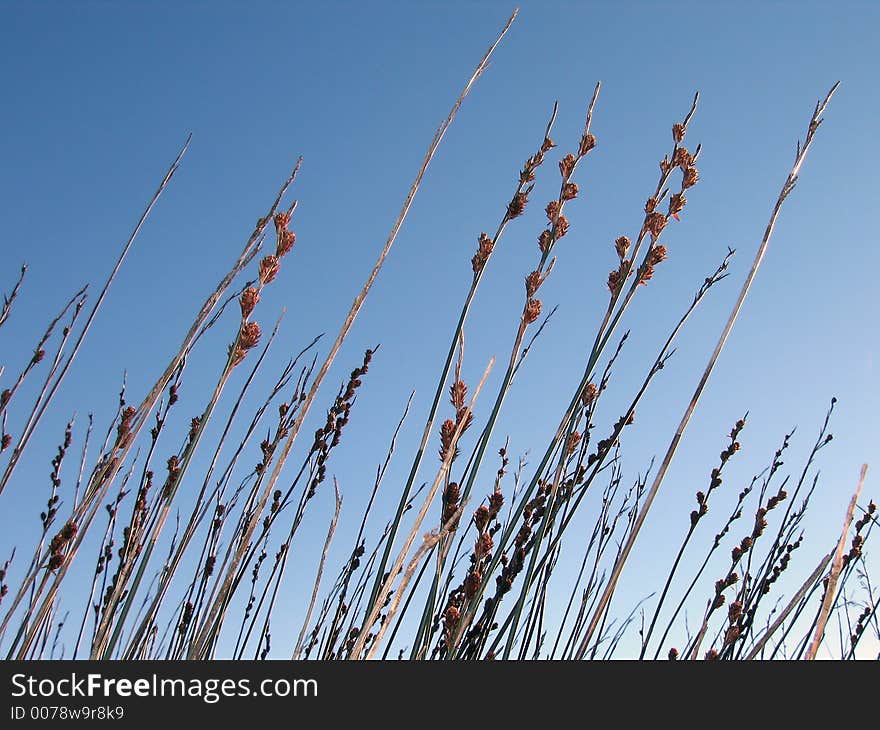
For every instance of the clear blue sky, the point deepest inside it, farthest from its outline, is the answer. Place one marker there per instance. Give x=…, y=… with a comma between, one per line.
x=98, y=97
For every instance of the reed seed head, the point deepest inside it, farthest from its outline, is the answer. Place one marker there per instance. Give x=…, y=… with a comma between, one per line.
x=457, y=394
x=655, y=223
x=589, y=394
x=561, y=227
x=614, y=281
x=484, y=250
x=517, y=205
x=657, y=254
x=676, y=204
x=281, y=220
x=447, y=431
x=588, y=141
x=545, y=241
x=566, y=165
x=682, y=158
x=286, y=239
x=248, y=300
x=533, y=283
x=248, y=336
x=268, y=268
x=481, y=517
x=533, y=310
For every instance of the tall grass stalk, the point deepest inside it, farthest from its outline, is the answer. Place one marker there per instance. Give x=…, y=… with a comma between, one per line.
x=787, y=187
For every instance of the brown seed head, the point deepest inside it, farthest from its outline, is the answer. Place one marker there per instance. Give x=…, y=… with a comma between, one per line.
x=268, y=268
x=533, y=283
x=676, y=203
x=527, y=174
x=544, y=241
x=496, y=502
x=68, y=532
x=452, y=493
x=281, y=221
x=588, y=141
x=561, y=227
x=589, y=394
x=248, y=300
x=621, y=245
x=286, y=239
x=566, y=165
x=484, y=545
x=457, y=394
x=614, y=281
x=657, y=254
x=481, y=517
x=484, y=250
x=655, y=223
x=447, y=431
x=691, y=178
x=533, y=310
x=732, y=634
x=682, y=158
x=569, y=191
x=464, y=416
x=552, y=210
x=678, y=131
x=249, y=335
x=517, y=205
x=734, y=611
x=472, y=584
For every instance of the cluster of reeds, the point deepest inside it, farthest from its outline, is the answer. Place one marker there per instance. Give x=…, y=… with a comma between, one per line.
x=464, y=568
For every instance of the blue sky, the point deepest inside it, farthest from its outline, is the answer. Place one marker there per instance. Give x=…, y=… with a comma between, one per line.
x=99, y=97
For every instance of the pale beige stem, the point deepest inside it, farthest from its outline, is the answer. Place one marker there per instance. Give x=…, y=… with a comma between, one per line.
x=814, y=576
x=836, y=567
x=428, y=543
